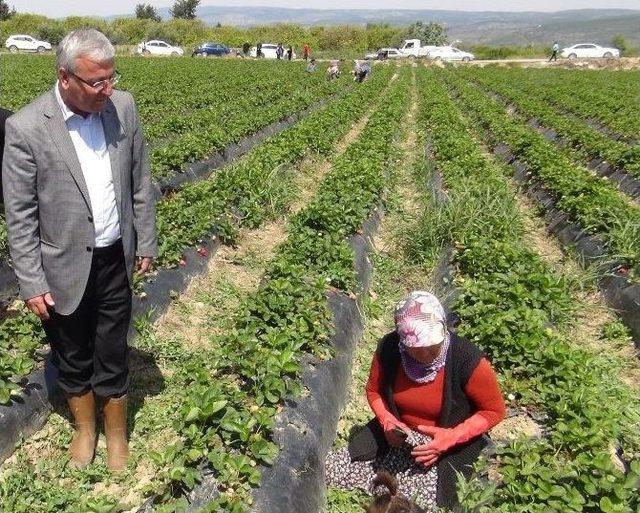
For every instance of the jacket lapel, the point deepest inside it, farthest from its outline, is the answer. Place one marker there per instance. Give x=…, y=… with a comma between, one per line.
x=112, y=135
x=60, y=135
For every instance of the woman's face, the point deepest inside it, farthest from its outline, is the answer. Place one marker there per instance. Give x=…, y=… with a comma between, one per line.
x=424, y=354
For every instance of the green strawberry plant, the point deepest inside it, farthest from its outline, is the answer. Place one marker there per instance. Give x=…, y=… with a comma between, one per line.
x=515, y=307
x=249, y=192
x=586, y=141
x=590, y=201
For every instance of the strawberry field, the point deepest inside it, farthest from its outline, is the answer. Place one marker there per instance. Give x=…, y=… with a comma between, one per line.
x=511, y=192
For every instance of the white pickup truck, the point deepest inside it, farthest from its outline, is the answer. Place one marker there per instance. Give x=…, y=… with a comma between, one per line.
x=414, y=48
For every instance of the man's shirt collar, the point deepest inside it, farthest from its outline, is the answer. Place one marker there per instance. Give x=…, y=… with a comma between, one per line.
x=67, y=113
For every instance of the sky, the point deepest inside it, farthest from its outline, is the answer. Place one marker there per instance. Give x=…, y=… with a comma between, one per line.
x=61, y=8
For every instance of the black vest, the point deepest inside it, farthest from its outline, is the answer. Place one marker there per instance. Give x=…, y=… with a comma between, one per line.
x=462, y=359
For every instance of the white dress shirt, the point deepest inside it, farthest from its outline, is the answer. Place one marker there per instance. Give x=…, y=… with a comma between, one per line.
x=88, y=139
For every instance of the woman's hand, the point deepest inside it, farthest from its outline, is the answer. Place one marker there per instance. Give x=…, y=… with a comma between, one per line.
x=443, y=440
x=446, y=438
x=392, y=432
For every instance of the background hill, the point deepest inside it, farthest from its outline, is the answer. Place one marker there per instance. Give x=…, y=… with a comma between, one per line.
x=491, y=28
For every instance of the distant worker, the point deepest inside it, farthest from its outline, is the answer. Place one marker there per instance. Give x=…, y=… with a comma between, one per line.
x=290, y=53
x=259, y=50
x=311, y=67
x=279, y=51
x=361, y=71
x=554, y=52
x=356, y=70
x=333, y=71
x=366, y=69
x=306, y=51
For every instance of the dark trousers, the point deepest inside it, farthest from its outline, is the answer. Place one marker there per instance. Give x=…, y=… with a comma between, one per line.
x=89, y=347
x=554, y=56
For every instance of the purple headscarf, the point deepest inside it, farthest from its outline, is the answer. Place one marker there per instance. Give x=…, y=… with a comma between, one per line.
x=421, y=322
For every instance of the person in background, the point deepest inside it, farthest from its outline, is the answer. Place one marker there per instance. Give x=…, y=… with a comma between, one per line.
x=289, y=53
x=306, y=51
x=311, y=67
x=246, y=46
x=333, y=71
x=356, y=71
x=361, y=70
x=366, y=67
x=279, y=51
x=554, y=52
x=4, y=114
x=434, y=396
x=259, y=53
x=80, y=211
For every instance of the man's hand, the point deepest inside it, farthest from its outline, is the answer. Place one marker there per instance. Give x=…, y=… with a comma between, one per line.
x=40, y=305
x=144, y=264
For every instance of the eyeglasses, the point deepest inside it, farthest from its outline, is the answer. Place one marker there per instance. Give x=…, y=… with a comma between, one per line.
x=100, y=84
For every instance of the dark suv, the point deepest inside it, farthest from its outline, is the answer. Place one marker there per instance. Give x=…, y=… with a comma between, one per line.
x=206, y=49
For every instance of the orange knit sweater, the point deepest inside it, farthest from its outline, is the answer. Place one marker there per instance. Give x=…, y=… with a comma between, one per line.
x=420, y=403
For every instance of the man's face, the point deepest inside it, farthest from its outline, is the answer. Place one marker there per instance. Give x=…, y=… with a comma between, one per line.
x=75, y=88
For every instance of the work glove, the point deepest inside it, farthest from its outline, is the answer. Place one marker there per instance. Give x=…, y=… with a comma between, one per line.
x=444, y=439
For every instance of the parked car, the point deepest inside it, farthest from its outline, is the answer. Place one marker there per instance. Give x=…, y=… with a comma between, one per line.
x=268, y=51
x=589, y=50
x=26, y=43
x=384, y=53
x=206, y=49
x=450, y=53
x=157, y=47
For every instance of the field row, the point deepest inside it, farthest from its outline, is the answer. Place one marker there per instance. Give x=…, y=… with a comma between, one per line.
x=587, y=141
x=519, y=311
x=250, y=188
x=607, y=97
x=190, y=109
x=592, y=202
x=204, y=110
x=225, y=394
x=573, y=384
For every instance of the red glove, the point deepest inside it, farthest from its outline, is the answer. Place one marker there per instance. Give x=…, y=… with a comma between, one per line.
x=446, y=438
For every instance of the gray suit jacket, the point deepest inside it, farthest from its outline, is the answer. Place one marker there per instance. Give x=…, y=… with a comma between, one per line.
x=49, y=216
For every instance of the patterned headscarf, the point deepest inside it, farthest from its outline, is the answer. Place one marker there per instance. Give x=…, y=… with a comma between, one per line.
x=421, y=322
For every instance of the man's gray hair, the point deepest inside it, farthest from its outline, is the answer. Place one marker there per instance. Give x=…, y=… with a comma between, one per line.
x=90, y=43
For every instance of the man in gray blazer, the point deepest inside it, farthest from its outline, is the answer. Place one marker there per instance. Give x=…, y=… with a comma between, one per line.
x=80, y=211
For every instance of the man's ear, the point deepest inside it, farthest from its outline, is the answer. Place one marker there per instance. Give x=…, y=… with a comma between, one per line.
x=63, y=78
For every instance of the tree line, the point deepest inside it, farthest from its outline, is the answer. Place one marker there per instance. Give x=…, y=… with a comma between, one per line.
x=185, y=29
